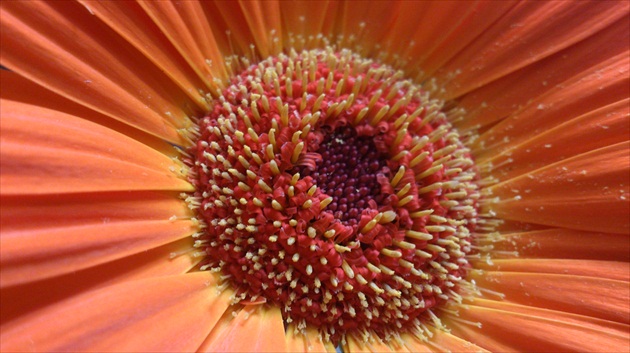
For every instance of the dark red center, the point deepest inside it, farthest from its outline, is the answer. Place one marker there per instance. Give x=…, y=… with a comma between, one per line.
x=348, y=171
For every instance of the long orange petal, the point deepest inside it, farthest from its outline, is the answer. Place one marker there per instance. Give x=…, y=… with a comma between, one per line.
x=446, y=27
x=47, y=152
x=528, y=33
x=366, y=27
x=161, y=314
x=439, y=20
x=183, y=25
x=131, y=22
x=484, y=14
x=309, y=341
x=509, y=331
x=157, y=262
x=14, y=87
x=602, y=269
x=356, y=345
x=490, y=342
x=228, y=22
x=587, y=192
x=415, y=345
x=567, y=244
x=263, y=19
x=61, y=46
x=307, y=19
x=600, y=128
x=592, y=296
x=443, y=341
x=610, y=327
x=502, y=97
x=51, y=235
x=602, y=85
x=257, y=329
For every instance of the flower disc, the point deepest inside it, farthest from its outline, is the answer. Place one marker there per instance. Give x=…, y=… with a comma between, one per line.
x=336, y=190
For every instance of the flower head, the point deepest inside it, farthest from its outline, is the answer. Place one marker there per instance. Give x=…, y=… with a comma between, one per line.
x=328, y=187
x=225, y=176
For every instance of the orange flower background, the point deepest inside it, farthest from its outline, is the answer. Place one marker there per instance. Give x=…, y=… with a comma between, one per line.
x=97, y=94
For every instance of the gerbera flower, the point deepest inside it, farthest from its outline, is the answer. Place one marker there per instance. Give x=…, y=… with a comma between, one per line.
x=312, y=176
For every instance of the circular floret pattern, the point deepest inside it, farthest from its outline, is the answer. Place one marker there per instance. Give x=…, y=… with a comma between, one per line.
x=331, y=187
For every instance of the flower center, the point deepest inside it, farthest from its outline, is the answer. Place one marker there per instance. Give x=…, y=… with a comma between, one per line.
x=329, y=186
x=347, y=169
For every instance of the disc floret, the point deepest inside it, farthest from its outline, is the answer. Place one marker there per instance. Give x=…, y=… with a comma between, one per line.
x=336, y=190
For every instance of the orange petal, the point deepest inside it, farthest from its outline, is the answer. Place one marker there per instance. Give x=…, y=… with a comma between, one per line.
x=354, y=345
x=46, y=152
x=602, y=85
x=254, y=329
x=477, y=21
x=602, y=269
x=147, y=264
x=567, y=244
x=309, y=341
x=439, y=20
x=227, y=21
x=610, y=327
x=600, y=128
x=367, y=26
x=415, y=345
x=131, y=22
x=263, y=19
x=307, y=18
x=443, y=341
x=161, y=314
x=509, y=331
x=19, y=89
x=185, y=25
x=528, y=33
x=486, y=340
x=502, y=97
x=61, y=46
x=591, y=296
x=440, y=341
x=586, y=192
x=46, y=236
x=447, y=26
x=398, y=345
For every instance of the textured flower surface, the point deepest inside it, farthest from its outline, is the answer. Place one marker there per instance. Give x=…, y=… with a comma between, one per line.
x=315, y=176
